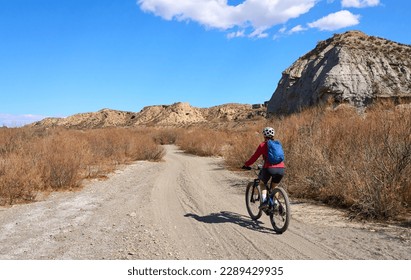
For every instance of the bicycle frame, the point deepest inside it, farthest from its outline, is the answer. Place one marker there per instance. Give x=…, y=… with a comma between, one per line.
x=257, y=181
x=278, y=203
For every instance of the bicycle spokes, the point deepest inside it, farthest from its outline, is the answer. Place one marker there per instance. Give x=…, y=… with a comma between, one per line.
x=253, y=199
x=280, y=215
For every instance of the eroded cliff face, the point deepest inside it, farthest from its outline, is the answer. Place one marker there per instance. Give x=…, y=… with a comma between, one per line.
x=348, y=68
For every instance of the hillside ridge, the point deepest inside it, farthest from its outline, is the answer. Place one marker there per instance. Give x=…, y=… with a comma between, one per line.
x=178, y=114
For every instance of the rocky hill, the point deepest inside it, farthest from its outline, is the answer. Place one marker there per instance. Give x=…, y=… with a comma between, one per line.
x=351, y=68
x=176, y=115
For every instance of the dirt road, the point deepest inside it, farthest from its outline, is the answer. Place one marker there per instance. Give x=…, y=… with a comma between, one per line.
x=185, y=207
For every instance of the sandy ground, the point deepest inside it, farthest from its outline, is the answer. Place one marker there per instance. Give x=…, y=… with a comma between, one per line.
x=185, y=207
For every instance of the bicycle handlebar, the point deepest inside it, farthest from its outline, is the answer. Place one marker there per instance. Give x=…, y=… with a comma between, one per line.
x=249, y=168
x=259, y=167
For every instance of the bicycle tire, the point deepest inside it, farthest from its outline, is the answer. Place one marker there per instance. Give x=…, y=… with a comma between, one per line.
x=253, y=200
x=280, y=216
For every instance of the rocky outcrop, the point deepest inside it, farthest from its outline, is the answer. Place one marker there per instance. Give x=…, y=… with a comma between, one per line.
x=102, y=118
x=348, y=68
x=175, y=115
x=232, y=112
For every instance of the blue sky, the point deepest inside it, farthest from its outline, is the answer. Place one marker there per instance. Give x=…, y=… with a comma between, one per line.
x=59, y=58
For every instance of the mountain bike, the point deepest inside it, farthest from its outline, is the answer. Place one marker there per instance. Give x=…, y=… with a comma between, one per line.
x=278, y=203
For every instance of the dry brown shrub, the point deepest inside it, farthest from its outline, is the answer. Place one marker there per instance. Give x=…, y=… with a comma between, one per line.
x=384, y=165
x=361, y=162
x=166, y=136
x=345, y=159
x=143, y=147
x=58, y=159
x=241, y=146
x=19, y=181
x=203, y=142
x=358, y=161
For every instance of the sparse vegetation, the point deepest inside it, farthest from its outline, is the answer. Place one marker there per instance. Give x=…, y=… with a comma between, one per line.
x=203, y=142
x=359, y=162
x=33, y=160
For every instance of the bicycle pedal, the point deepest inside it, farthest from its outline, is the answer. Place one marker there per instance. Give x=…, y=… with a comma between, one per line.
x=264, y=206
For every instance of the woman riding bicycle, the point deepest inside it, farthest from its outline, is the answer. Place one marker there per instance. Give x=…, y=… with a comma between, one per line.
x=274, y=171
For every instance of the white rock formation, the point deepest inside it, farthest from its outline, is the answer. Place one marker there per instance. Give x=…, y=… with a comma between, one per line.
x=348, y=68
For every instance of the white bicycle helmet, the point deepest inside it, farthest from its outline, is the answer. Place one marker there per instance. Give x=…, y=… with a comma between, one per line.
x=268, y=132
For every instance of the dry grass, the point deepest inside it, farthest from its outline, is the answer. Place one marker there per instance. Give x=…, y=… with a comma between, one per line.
x=359, y=162
x=202, y=142
x=33, y=161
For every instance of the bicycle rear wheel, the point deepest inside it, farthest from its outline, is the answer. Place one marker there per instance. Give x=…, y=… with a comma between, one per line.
x=253, y=200
x=280, y=215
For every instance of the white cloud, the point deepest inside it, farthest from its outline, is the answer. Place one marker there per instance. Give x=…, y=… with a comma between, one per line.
x=10, y=120
x=297, y=28
x=259, y=33
x=253, y=18
x=282, y=29
x=236, y=34
x=336, y=21
x=359, y=3
x=259, y=15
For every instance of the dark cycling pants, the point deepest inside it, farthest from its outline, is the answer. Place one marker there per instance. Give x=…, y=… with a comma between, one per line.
x=275, y=173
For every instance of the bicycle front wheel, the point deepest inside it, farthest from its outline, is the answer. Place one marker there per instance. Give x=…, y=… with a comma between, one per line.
x=280, y=216
x=253, y=200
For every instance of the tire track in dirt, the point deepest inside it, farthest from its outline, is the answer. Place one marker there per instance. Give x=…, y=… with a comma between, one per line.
x=185, y=207
x=198, y=206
